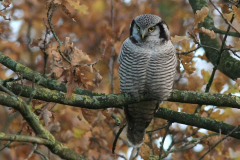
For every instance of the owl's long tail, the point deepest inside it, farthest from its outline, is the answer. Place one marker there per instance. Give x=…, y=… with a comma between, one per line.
x=138, y=116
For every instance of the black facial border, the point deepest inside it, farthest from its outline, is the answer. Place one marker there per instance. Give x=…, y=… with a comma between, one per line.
x=163, y=33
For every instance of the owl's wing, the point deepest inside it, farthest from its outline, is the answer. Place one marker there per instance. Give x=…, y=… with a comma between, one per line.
x=125, y=59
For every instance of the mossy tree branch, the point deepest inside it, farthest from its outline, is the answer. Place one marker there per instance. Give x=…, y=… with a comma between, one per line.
x=170, y=115
x=197, y=121
x=233, y=34
x=24, y=138
x=119, y=100
x=229, y=65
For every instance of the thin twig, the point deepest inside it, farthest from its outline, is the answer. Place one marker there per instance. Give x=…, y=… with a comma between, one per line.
x=233, y=34
x=164, y=137
x=133, y=154
x=112, y=24
x=225, y=19
x=32, y=151
x=113, y=55
x=160, y=128
x=235, y=3
x=38, y=152
x=102, y=56
x=3, y=9
x=53, y=66
x=7, y=144
x=136, y=154
x=45, y=47
x=204, y=46
x=96, y=140
x=116, y=138
x=225, y=137
x=194, y=142
x=114, y=132
x=187, y=52
x=117, y=120
x=32, y=65
x=53, y=106
x=233, y=52
x=53, y=7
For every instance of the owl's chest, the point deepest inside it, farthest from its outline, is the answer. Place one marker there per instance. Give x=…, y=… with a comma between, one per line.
x=149, y=57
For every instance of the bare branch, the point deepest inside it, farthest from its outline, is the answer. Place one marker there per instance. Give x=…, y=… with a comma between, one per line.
x=224, y=18
x=24, y=138
x=32, y=151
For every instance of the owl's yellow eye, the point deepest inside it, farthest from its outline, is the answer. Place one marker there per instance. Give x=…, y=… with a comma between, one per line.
x=151, y=29
x=138, y=28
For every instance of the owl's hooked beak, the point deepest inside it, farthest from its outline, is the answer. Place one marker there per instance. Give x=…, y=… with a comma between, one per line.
x=144, y=34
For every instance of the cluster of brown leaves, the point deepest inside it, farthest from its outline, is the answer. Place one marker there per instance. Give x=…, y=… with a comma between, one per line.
x=81, y=8
x=6, y=4
x=74, y=73
x=70, y=65
x=199, y=17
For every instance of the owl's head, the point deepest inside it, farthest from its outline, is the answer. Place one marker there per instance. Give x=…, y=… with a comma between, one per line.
x=147, y=27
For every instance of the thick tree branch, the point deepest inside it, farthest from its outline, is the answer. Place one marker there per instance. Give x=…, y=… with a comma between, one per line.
x=24, y=138
x=164, y=113
x=198, y=121
x=234, y=34
x=230, y=66
x=118, y=100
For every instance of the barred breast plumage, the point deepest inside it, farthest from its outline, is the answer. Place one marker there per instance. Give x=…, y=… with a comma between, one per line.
x=147, y=65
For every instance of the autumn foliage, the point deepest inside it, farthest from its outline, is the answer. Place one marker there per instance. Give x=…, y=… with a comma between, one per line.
x=77, y=43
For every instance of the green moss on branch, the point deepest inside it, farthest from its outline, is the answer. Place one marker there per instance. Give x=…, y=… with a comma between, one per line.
x=198, y=121
x=118, y=100
x=24, y=138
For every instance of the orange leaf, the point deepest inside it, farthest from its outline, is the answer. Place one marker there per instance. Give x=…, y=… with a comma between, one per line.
x=98, y=78
x=76, y=4
x=117, y=46
x=238, y=83
x=36, y=42
x=58, y=71
x=237, y=44
x=70, y=85
x=204, y=57
x=208, y=32
x=200, y=15
x=236, y=12
x=225, y=8
x=78, y=56
x=177, y=39
x=145, y=151
x=89, y=115
x=46, y=116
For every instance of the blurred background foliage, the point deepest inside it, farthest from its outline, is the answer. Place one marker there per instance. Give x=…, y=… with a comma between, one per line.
x=107, y=24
